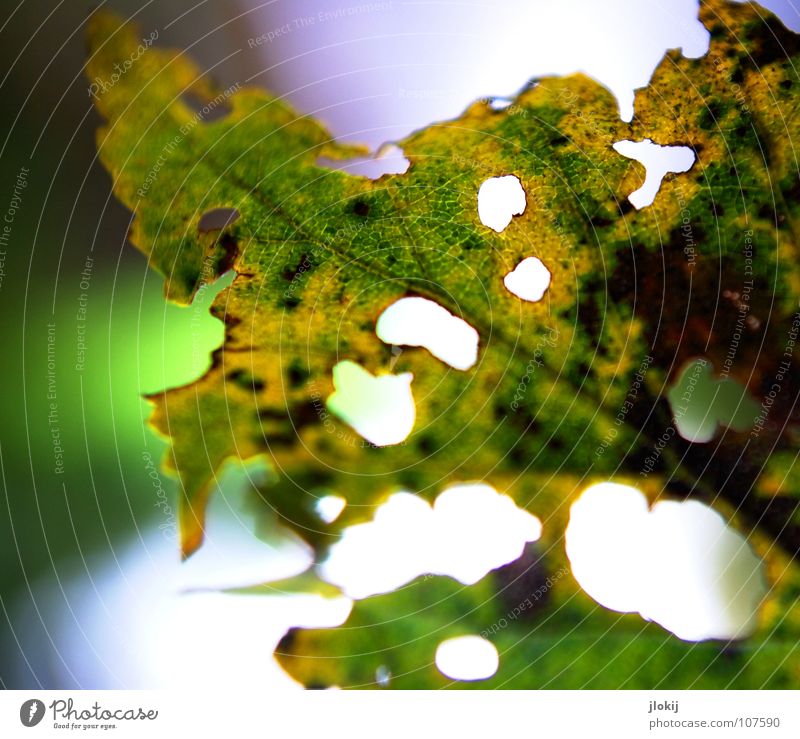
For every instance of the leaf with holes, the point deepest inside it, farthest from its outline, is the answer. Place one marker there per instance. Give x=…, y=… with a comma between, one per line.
x=554, y=385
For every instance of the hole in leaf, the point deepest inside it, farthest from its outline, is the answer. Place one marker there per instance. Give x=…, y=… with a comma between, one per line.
x=422, y=322
x=380, y=408
x=499, y=103
x=330, y=507
x=499, y=199
x=217, y=219
x=383, y=676
x=180, y=343
x=389, y=159
x=700, y=403
x=467, y=658
x=658, y=161
x=529, y=280
x=469, y=531
x=678, y=564
x=240, y=536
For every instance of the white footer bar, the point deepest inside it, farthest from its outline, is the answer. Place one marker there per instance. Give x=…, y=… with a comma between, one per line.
x=390, y=714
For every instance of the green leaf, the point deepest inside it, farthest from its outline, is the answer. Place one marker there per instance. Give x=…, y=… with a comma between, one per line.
x=306, y=583
x=558, y=643
x=319, y=255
